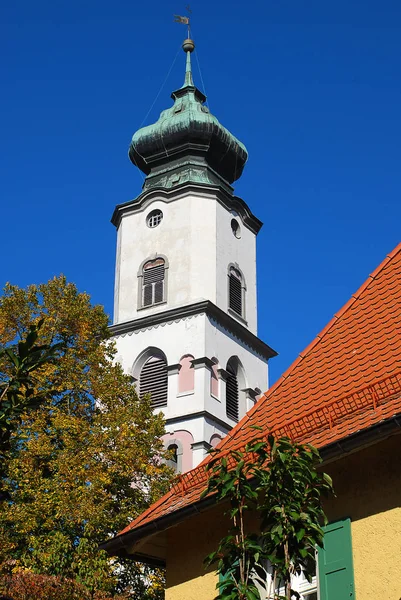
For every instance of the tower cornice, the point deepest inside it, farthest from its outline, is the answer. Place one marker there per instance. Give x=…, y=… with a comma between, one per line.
x=204, y=306
x=229, y=201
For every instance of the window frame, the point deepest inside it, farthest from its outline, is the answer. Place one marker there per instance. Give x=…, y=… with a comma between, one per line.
x=236, y=228
x=232, y=373
x=156, y=214
x=299, y=583
x=140, y=276
x=155, y=404
x=180, y=451
x=333, y=558
x=241, y=317
x=235, y=368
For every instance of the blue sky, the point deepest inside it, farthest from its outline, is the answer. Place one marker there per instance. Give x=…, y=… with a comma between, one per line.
x=312, y=88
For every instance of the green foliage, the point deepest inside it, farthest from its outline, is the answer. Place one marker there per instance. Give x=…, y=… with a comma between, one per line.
x=84, y=458
x=18, y=390
x=277, y=480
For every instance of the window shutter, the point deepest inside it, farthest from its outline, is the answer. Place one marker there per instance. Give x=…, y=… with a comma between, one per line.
x=158, y=287
x=153, y=273
x=153, y=381
x=336, y=576
x=147, y=295
x=235, y=292
x=232, y=395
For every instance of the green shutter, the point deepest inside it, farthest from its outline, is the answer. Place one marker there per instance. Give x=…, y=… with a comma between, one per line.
x=336, y=575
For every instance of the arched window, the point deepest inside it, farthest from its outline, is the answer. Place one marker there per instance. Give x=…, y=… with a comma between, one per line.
x=172, y=462
x=236, y=290
x=214, y=379
x=215, y=439
x=179, y=445
x=232, y=391
x=186, y=375
x=153, y=381
x=153, y=282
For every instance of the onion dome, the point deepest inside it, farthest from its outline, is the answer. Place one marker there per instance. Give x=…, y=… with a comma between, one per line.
x=187, y=143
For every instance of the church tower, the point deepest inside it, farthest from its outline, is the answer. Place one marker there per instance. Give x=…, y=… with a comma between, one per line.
x=185, y=315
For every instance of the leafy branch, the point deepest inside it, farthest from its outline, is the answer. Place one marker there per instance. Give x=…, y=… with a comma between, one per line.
x=279, y=481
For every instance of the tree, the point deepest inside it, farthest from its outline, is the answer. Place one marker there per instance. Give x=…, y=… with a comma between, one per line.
x=279, y=481
x=87, y=459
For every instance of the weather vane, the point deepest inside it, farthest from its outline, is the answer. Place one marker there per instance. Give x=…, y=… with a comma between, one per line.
x=185, y=20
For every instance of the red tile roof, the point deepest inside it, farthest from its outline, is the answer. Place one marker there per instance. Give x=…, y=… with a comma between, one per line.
x=348, y=379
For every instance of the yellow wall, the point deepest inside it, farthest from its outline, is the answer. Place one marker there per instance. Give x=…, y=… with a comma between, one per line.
x=368, y=488
x=188, y=544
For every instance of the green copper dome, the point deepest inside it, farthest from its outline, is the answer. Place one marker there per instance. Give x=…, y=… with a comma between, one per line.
x=187, y=143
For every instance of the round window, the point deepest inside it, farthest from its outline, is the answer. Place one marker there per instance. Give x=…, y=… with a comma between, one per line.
x=154, y=218
x=235, y=227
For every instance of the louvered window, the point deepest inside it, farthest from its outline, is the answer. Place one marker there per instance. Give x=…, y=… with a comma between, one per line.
x=231, y=394
x=235, y=291
x=153, y=381
x=153, y=282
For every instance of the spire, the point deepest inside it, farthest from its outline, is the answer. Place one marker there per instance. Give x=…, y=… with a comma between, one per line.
x=188, y=46
x=187, y=143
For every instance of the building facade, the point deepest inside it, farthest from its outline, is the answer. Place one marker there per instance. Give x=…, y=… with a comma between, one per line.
x=185, y=314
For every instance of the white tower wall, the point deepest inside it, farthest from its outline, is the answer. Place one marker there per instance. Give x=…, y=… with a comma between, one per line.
x=240, y=251
x=196, y=238
x=196, y=411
